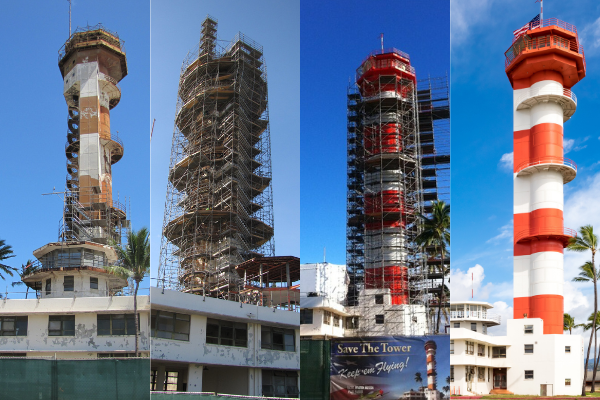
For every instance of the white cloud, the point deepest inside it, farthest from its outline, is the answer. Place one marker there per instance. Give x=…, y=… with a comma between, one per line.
x=472, y=281
x=506, y=161
x=505, y=312
x=464, y=15
x=590, y=37
x=568, y=145
x=506, y=231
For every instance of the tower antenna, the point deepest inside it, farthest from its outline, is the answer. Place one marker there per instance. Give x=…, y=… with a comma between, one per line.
x=69, y=18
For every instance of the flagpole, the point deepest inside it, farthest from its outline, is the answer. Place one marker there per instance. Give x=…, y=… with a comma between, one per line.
x=541, y=12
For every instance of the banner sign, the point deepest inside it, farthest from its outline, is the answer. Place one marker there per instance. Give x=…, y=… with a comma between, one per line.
x=401, y=367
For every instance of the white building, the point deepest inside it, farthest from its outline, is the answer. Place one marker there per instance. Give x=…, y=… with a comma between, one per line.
x=74, y=312
x=325, y=315
x=524, y=362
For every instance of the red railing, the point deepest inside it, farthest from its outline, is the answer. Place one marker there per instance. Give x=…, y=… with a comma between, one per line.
x=526, y=43
x=548, y=160
x=553, y=21
x=568, y=232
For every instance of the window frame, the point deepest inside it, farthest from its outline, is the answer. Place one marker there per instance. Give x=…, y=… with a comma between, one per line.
x=567, y=349
x=452, y=347
x=470, y=348
x=64, y=318
x=527, y=349
x=528, y=329
x=128, y=319
x=380, y=319
x=499, y=352
x=228, y=334
x=155, y=318
x=306, y=315
x=92, y=283
x=271, y=331
x=20, y=323
x=530, y=373
x=69, y=286
x=291, y=388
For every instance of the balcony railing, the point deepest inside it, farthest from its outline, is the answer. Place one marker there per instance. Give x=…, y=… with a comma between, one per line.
x=475, y=315
x=566, y=232
x=547, y=160
x=527, y=43
x=533, y=92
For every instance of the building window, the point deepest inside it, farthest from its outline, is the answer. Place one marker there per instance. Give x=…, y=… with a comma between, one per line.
x=470, y=347
x=481, y=374
x=489, y=374
x=567, y=349
x=326, y=317
x=61, y=325
x=278, y=338
x=279, y=383
x=452, y=373
x=93, y=283
x=48, y=286
x=567, y=382
x=13, y=326
x=481, y=350
x=69, y=283
x=484, y=329
x=336, y=320
x=15, y=355
x=171, y=378
x=351, y=322
x=378, y=299
x=153, y=376
x=499, y=352
x=528, y=374
x=474, y=327
x=379, y=319
x=528, y=329
x=116, y=324
x=168, y=325
x=306, y=316
x=226, y=333
x=452, y=347
x=528, y=349
x=457, y=324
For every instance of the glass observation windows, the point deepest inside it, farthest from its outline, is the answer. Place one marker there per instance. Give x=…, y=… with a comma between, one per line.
x=169, y=325
x=61, y=325
x=273, y=338
x=69, y=283
x=13, y=326
x=78, y=257
x=226, y=333
x=116, y=324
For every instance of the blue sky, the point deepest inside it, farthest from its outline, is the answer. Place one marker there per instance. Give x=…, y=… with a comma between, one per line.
x=482, y=192
x=336, y=36
x=175, y=30
x=34, y=117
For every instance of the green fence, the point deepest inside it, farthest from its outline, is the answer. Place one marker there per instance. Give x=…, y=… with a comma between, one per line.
x=315, y=364
x=93, y=379
x=204, y=396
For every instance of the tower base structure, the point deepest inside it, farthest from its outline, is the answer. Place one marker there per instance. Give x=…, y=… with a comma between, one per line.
x=524, y=362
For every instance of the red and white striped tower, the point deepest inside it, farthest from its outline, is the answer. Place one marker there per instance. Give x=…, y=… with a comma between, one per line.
x=430, y=349
x=542, y=66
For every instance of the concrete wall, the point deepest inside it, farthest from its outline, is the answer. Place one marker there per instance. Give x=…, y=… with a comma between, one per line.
x=86, y=342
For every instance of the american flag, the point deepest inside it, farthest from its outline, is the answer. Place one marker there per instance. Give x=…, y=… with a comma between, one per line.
x=534, y=23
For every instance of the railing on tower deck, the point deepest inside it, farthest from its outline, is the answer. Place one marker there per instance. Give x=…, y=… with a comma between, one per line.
x=384, y=63
x=568, y=232
x=116, y=41
x=553, y=21
x=532, y=92
x=547, y=160
x=527, y=43
x=475, y=315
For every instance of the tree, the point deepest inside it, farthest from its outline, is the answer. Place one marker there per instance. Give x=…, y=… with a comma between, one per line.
x=568, y=323
x=5, y=253
x=134, y=263
x=435, y=231
x=418, y=377
x=587, y=240
x=26, y=269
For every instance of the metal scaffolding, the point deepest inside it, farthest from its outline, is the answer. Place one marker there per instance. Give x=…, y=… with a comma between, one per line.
x=219, y=206
x=396, y=168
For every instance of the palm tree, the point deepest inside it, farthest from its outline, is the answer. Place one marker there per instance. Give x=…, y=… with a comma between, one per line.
x=569, y=323
x=134, y=263
x=436, y=232
x=588, y=241
x=593, y=324
x=5, y=253
x=26, y=269
x=418, y=377
x=446, y=389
